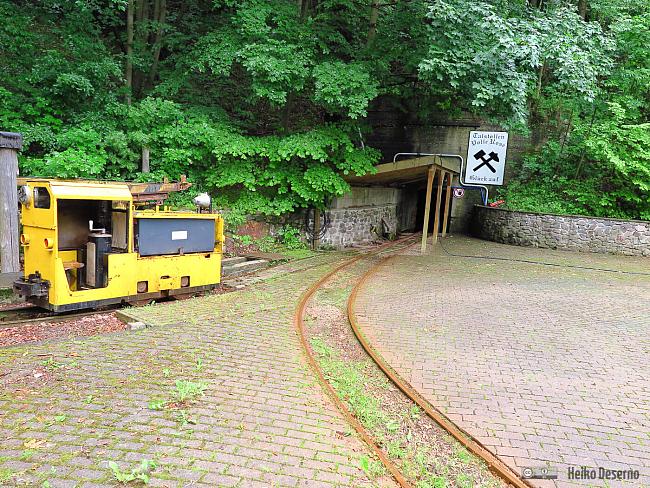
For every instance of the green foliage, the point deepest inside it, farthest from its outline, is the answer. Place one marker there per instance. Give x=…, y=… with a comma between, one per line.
x=157, y=404
x=291, y=237
x=186, y=390
x=262, y=103
x=350, y=384
x=6, y=293
x=140, y=473
x=372, y=468
x=601, y=167
x=347, y=87
x=288, y=240
x=490, y=54
x=244, y=240
x=6, y=475
x=183, y=392
x=220, y=113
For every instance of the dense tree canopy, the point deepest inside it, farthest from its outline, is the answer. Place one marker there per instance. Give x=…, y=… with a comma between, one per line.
x=263, y=103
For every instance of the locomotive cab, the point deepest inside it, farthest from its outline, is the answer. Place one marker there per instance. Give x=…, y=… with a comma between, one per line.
x=86, y=244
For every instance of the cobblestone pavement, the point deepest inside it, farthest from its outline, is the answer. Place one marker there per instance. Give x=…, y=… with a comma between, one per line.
x=67, y=409
x=543, y=365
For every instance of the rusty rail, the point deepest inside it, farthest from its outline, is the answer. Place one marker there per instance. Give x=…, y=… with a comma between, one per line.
x=495, y=465
x=351, y=419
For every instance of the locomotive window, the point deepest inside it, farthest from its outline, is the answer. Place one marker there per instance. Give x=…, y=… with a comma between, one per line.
x=119, y=228
x=41, y=197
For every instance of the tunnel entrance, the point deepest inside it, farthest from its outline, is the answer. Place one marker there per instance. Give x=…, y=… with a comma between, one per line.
x=420, y=194
x=413, y=177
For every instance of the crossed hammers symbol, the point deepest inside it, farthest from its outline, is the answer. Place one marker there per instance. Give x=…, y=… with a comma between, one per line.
x=486, y=162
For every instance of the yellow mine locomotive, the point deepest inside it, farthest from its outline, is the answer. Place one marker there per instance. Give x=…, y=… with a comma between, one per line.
x=89, y=243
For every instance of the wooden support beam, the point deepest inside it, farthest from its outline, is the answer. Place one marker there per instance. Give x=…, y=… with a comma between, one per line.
x=445, y=217
x=436, y=217
x=10, y=144
x=427, y=205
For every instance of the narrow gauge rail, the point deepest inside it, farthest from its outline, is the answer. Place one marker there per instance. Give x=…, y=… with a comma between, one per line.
x=299, y=324
x=17, y=315
x=33, y=315
x=17, y=308
x=22, y=314
x=494, y=463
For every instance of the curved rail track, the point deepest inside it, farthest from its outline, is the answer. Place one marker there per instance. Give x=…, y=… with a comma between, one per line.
x=300, y=328
x=494, y=464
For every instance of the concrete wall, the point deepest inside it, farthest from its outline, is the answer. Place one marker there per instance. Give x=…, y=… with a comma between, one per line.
x=394, y=131
x=575, y=233
x=462, y=209
x=366, y=196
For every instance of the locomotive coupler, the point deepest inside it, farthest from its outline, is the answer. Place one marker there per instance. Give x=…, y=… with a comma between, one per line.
x=32, y=286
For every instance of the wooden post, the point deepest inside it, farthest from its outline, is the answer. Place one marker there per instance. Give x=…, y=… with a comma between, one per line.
x=316, y=239
x=10, y=144
x=145, y=159
x=445, y=217
x=436, y=217
x=427, y=205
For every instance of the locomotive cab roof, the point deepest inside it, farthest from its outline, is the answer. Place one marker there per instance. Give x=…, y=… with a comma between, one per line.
x=86, y=190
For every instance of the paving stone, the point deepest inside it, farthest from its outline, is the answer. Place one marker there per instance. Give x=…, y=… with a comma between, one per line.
x=542, y=364
x=262, y=414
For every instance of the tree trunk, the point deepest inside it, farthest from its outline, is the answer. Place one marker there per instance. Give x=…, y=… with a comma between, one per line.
x=582, y=9
x=156, y=11
x=305, y=6
x=286, y=112
x=139, y=10
x=129, y=52
x=540, y=80
x=569, y=125
x=162, y=12
x=374, y=15
x=582, y=154
x=145, y=159
x=141, y=33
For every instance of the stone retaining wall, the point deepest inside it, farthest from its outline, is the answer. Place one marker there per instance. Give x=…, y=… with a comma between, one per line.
x=356, y=225
x=570, y=232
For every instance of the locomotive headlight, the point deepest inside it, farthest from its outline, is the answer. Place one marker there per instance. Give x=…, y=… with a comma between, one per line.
x=49, y=243
x=24, y=239
x=202, y=200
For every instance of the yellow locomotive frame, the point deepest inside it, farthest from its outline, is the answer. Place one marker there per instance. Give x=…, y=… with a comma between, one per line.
x=53, y=212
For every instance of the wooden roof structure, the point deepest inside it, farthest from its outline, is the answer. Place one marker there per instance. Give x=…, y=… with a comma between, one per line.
x=406, y=171
x=400, y=173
